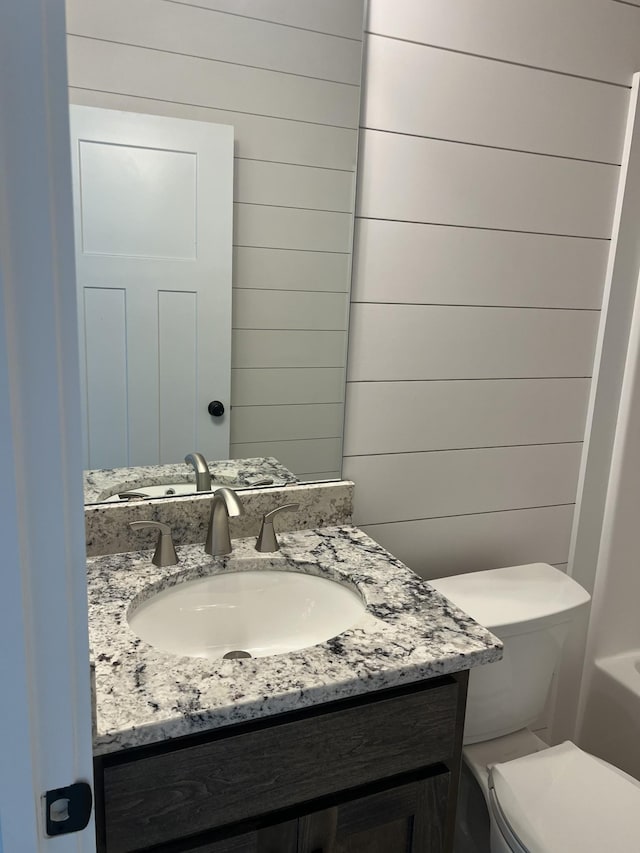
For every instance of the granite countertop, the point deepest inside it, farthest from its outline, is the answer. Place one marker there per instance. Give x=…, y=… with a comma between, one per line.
x=103, y=483
x=408, y=633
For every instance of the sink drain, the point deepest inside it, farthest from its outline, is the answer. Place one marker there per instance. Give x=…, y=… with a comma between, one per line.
x=237, y=653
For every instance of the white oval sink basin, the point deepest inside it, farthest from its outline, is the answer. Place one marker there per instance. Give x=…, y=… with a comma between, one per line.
x=259, y=612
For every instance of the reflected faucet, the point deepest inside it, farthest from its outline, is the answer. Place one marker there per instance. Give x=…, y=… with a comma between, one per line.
x=225, y=504
x=203, y=475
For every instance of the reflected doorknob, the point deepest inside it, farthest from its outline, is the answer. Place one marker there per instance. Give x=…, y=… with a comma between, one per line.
x=216, y=408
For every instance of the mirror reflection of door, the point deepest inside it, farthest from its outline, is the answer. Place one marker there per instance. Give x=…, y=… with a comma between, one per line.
x=153, y=202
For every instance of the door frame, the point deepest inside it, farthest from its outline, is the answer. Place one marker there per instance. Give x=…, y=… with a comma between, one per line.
x=45, y=736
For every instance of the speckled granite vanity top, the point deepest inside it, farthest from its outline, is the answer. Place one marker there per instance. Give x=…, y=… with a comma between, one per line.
x=408, y=633
x=102, y=483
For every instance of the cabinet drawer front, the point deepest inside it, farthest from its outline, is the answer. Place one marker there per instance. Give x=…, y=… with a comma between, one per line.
x=190, y=790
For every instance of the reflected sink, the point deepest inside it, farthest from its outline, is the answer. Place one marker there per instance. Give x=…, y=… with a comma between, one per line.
x=259, y=612
x=167, y=489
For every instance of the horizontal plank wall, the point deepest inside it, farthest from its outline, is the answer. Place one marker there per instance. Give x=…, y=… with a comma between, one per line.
x=491, y=138
x=286, y=75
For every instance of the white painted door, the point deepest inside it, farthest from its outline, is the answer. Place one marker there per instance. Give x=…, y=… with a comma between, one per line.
x=153, y=205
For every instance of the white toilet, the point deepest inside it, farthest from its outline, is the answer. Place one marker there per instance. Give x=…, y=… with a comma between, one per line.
x=540, y=799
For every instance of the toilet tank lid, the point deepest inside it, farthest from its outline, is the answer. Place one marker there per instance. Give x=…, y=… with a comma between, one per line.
x=516, y=596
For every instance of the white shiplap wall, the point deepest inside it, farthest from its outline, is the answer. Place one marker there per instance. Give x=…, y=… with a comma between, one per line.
x=491, y=139
x=286, y=75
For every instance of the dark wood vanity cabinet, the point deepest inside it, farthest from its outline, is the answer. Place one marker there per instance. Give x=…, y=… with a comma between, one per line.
x=373, y=774
x=403, y=819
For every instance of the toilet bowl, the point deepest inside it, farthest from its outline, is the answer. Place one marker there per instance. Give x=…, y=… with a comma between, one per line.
x=534, y=798
x=559, y=799
x=563, y=800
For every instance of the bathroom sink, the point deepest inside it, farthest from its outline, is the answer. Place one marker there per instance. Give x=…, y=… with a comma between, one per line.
x=254, y=612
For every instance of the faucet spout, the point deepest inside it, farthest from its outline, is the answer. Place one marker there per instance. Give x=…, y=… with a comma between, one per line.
x=225, y=504
x=203, y=475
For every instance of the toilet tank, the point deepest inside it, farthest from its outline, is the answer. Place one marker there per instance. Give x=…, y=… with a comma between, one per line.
x=530, y=609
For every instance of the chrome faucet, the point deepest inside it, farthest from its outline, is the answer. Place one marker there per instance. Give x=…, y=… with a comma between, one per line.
x=225, y=504
x=203, y=475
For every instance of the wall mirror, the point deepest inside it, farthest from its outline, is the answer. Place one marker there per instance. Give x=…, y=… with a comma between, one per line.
x=282, y=79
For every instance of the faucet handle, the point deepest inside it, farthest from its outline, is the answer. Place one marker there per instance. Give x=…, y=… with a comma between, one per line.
x=267, y=539
x=165, y=553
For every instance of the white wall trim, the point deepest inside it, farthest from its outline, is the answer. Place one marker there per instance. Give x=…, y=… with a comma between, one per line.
x=608, y=373
x=45, y=738
x=613, y=627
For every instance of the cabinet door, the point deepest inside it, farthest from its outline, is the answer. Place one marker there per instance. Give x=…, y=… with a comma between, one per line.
x=405, y=819
x=281, y=838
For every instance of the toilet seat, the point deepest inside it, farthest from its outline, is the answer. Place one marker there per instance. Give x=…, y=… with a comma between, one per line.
x=563, y=800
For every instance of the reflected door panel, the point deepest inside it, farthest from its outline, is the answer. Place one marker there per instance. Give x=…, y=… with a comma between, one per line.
x=153, y=226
